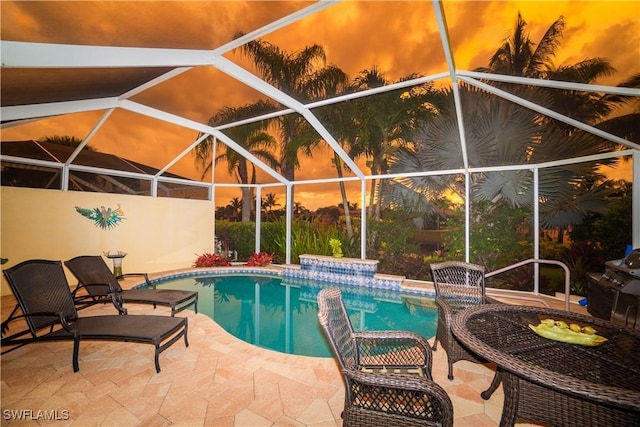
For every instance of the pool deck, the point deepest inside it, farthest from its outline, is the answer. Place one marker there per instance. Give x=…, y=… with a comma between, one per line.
x=218, y=380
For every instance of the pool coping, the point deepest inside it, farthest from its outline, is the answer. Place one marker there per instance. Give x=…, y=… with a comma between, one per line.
x=408, y=287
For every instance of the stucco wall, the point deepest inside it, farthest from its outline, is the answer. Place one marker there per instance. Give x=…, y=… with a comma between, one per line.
x=157, y=233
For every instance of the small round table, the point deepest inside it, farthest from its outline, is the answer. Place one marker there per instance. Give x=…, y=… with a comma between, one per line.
x=553, y=382
x=117, y=261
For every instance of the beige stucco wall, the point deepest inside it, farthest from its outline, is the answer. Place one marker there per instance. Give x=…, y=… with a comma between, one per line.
x=157, y=233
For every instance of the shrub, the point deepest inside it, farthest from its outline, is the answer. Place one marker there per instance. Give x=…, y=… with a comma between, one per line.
x=306, y=238
x=412, y=266
x=238, y=236
x=390, y=236
x=259, y=259
x=211, y=260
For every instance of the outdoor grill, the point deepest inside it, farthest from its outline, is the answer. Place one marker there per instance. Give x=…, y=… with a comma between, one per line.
x=615, y=295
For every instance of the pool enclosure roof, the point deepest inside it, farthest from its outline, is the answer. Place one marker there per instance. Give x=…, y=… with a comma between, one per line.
x=104, y=68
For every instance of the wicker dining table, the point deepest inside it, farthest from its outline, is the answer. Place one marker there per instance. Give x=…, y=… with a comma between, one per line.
x=553, y=382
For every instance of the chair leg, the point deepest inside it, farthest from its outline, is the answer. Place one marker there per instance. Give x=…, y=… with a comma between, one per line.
x=434, y=347
x=157, y=359
x=186, y=329
x=76, y=351
x=450, y=363
x=497, y=379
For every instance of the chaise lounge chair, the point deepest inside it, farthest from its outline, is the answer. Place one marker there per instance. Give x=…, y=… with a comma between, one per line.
x=96, y=278
x=43, y=295
x=387, y=373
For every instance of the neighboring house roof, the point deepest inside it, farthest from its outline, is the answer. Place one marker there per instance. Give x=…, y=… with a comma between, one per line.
x=13, y=174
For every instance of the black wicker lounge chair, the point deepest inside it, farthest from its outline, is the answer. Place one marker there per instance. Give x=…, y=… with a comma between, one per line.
x=44, y=297
x=458, y=285
x=387, y=373
x=95, y=277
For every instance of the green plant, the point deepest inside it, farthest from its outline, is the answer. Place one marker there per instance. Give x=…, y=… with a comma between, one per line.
x=390, y=235
x=211, y=260
x=499, y=235
x=608, y=233
x=336, y=247
x=411, y=266
x=306, y=238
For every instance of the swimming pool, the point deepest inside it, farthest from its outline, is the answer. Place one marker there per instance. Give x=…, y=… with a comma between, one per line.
x=282, y=314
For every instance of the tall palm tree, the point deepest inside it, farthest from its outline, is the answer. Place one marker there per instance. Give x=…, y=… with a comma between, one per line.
x=304, y=76
x=385, y=122
x=340, y=121
x=627, y=124
x=520, y=56
x=252, y=137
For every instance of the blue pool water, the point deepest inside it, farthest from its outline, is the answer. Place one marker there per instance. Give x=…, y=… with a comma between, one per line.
x=282, y=315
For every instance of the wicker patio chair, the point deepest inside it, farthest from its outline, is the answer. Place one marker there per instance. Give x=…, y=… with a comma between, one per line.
x=44, y=297
x=458, y=285
x=387, y=373
x=95, y=277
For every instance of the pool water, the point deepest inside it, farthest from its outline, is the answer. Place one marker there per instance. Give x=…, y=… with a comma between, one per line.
x=283, y=315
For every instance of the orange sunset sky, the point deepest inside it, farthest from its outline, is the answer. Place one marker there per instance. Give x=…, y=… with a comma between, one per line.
x=398, y=37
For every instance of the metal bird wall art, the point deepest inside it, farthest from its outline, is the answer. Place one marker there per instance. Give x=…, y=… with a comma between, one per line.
x=105, y=218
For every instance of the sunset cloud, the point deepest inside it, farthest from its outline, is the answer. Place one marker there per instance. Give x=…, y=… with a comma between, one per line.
x=399, y=37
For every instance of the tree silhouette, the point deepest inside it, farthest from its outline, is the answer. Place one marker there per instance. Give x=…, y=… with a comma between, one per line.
x=252, y=137
x=304, y=76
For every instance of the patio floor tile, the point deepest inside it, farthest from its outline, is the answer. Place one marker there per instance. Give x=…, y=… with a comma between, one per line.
x=217, y=381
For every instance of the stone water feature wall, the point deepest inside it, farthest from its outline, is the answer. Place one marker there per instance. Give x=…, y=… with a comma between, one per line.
x=346, y=271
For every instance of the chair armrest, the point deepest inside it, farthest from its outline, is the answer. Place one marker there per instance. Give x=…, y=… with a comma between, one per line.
x=4, y=327
x=118, y=305
x=393, y=349
x=145, y=275
x=97, y=297
x=405, y=395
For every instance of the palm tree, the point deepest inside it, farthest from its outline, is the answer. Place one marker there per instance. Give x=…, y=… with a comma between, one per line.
x=269, y=201
x=304, y=76
x=340, y=121
x=520, y=56
x=252, y=137
x=385, y=122
x=624, y=125
x=69, y=141
x=235, y=207
x=504, y=133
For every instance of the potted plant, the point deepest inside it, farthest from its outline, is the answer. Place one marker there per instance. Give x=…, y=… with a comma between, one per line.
x=336, y=247
x=259, y=259
x=211, y=260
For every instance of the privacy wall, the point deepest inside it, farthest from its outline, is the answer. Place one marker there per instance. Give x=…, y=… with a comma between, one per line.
x=158, y=234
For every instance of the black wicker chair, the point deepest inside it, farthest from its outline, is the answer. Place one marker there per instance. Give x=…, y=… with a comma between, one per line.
x=47, y=306
x=387, y=373
x=95, y=277
x=458, y=285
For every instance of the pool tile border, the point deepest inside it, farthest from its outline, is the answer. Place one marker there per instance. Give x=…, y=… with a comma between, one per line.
x=377, y=287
